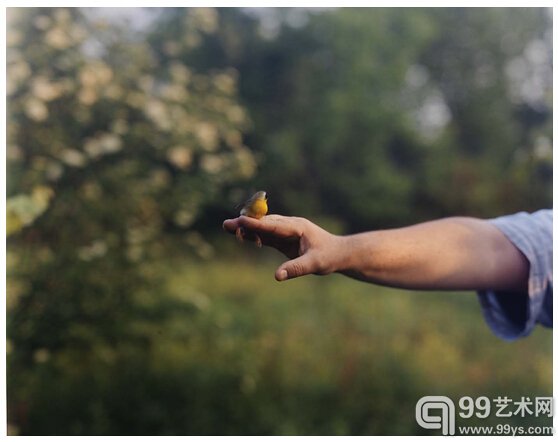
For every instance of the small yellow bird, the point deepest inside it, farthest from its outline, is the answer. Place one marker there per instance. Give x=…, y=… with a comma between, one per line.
x=254, y=207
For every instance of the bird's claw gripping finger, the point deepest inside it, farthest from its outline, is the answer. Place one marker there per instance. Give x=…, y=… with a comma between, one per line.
x=240, y=234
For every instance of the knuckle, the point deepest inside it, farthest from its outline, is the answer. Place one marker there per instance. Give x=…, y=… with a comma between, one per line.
x=301, y=225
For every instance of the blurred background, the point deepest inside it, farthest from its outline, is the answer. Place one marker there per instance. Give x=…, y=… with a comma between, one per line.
x=133, y=133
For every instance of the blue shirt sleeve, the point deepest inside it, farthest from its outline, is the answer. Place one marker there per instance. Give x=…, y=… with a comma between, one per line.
x=512, y=315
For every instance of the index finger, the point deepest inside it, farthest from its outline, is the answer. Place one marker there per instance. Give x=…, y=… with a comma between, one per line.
x=276, y=225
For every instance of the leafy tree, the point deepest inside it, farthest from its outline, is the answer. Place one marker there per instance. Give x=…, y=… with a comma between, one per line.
x=493, y=69
x=381, y=117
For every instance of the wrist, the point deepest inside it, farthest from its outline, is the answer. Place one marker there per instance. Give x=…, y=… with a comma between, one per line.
x=357, y=256
x=344, y=254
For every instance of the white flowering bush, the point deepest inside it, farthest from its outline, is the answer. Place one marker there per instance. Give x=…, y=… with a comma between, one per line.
x=89, y=105
x=111, y=157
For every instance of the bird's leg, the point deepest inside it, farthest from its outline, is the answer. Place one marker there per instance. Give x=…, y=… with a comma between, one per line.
x=258, y=240
x=240, y=234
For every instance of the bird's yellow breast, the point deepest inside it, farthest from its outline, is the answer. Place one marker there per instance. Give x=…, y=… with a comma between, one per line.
x=257, y=209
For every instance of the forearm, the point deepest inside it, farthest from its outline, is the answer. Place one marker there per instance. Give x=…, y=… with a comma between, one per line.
x=447, y=254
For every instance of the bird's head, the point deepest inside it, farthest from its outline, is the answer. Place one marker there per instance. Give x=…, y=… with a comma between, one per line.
x=261, y=195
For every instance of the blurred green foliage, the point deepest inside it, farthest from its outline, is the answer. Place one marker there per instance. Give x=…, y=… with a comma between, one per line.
x=129, y=312
x=380, y=117
x=247, y=356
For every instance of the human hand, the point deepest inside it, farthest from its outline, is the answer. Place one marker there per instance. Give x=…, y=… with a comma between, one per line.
x=311, y=249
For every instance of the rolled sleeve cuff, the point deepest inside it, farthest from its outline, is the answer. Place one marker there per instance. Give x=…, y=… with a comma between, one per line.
x=512, y=315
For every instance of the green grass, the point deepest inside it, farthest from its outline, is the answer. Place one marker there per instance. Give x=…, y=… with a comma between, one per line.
x=220, y=347
x=360, y=354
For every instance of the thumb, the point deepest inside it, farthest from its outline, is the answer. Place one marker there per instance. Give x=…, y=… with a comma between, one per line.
x=294, y=268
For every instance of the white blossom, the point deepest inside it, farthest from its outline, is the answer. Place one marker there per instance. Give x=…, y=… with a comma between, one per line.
x=36, y=109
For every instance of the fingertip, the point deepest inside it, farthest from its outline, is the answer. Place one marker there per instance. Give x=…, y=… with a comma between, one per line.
x=230, y=225
x=281, y=275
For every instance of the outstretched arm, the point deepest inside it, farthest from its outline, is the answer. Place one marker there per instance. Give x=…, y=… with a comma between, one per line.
x=447, y=254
